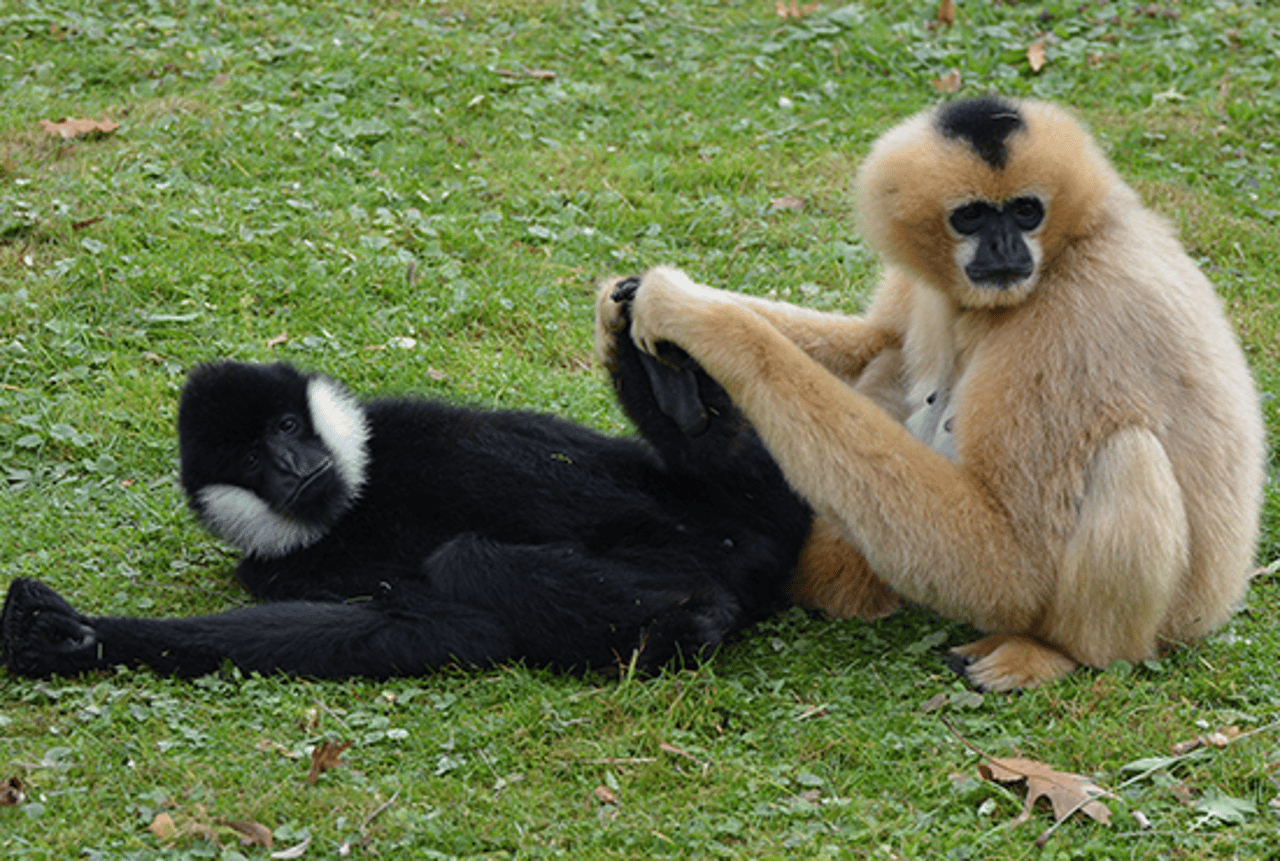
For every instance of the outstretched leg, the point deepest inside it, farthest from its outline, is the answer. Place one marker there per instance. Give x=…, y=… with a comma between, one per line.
x=44, y=635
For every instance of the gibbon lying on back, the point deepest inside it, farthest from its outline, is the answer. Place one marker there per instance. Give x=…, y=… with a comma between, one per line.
x=390, y=537
x=1044, y=425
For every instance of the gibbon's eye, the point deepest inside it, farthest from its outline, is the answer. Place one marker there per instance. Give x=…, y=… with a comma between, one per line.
x=1027, y=212
x=968, y=219
x=288, y=425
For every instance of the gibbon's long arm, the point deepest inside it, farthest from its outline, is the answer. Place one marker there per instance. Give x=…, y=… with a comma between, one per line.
x=841, y=343
x=906, y=507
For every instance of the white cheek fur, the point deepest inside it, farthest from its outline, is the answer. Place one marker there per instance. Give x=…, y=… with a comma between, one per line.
x=241, y=518
x=341, y=423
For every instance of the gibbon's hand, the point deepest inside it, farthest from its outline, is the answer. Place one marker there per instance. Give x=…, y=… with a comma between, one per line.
x=665, y=303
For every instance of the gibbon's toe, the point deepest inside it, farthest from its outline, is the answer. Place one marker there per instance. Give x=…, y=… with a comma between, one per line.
x=1009, y=662
x=613, y=298
x=38, y=625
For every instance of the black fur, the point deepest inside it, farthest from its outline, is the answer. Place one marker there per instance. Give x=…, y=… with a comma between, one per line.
x=985, y=122
x=478, y=536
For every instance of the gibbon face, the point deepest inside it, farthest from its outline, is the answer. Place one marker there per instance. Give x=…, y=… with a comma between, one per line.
x=270, y=460
x=959, y=198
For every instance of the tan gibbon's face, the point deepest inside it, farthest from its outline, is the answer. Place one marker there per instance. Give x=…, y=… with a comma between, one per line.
x=976, y=197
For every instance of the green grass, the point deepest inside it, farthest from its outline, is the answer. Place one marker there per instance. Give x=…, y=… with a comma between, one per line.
x=352, y=175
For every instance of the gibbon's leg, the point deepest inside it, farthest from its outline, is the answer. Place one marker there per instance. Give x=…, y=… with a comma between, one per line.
x=571, y=609
x=832, y=575
x=924, y=523
x=1117, y=578
x=44, y=635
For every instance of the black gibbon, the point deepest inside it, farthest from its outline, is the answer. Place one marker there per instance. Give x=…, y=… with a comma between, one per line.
x=1044, y=425
x=390, y=537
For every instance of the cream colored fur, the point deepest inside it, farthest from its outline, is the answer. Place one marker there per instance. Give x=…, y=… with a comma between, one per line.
x=1074, y=463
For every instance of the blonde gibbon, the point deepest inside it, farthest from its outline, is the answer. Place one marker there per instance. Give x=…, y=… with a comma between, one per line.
x=1043, y=426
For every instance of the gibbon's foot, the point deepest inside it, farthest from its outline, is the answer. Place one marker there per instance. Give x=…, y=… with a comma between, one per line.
x=42, y=633
x=672, y=373
x=612, y=317
x=1009, y=662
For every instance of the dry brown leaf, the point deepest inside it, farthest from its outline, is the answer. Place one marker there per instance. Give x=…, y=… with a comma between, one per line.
x=11, y=793
x=324, y=757
x=250, y=833
x=1035, y=55
x=948, y=83
x=605, y=794
x=71, y=127
x=164, y=828
x=1065, y=791
x=947, y=12
x=793, y=9
x=934, y=702
x=283, y=337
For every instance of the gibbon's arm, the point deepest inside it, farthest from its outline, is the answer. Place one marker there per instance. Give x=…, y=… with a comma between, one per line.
x=841, y=343
x=909, y=509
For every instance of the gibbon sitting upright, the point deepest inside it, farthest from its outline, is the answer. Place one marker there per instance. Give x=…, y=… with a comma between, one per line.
x=1044, y=425
x=391, y=537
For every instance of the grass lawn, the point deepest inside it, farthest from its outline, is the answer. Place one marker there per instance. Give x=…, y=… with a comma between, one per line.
x=418, y=196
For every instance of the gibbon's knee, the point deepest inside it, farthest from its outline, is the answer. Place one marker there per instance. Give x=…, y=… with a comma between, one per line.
x=833, y=576
x=1122, y=566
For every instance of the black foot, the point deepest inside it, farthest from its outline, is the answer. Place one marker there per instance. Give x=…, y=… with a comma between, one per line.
x=43, y=634
x=672, y=373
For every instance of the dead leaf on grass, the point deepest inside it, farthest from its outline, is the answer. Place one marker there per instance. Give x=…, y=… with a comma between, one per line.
x=250, y=833
x=948, y=83
x=605, y=794
x=164, y=828
x=793, y=9
x=324, y=757
x=947, y=12
x=1035, y=55
x=1066, y=792
x=282, y=338
x=72, y=127
x=11, y=793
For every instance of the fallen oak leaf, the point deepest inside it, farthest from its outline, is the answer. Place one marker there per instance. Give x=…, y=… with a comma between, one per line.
x=72, y=127
x=1066, y=792
x=324, y=756
x=250, y=833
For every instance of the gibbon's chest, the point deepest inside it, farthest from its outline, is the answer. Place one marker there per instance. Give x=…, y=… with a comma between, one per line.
x=938, y=348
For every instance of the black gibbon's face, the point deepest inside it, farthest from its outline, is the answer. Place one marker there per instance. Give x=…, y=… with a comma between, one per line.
x=996, y=243
x=283, y=488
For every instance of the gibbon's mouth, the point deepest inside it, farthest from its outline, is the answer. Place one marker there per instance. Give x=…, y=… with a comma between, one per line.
x=302, y=491
x=1003, y=279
